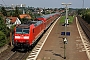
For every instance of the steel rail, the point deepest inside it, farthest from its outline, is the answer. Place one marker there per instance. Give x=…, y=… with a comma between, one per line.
x=84, y=26
x=17, y=55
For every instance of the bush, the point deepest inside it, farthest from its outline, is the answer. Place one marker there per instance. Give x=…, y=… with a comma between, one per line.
x=86, y=17
x=2, y=39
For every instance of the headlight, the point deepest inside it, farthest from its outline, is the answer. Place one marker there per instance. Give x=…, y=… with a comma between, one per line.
x=17, y=37
x=26, y=37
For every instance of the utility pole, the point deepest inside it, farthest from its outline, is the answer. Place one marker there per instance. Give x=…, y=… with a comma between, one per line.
x=66, y=4
x=66, y=21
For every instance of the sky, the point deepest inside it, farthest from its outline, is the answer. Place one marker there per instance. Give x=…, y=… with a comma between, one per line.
x=48, y=3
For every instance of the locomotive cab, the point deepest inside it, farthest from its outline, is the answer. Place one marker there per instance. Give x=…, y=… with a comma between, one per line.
x=21, y=36
x=25, y=34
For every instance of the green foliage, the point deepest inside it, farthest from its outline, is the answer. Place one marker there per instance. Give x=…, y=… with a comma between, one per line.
x=2, y=39
x=71, y=19
x=86, y=15
x=47, y=12
x=12, y=28
x=4, y=32
x=79, y=11
x=2, y=25
x=4, y=12
x=23, y=20
x=16, y=12
x=36, y=15
x=62, y=20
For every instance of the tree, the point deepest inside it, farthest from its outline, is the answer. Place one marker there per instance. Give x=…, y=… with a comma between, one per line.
x=2, y=25
x=23, y=20
x=3, y=32
x=16, y=11
x=4, y=12
x=86, y=15
x=11, y=34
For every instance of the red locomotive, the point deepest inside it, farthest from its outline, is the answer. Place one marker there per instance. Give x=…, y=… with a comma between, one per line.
x=27, y=34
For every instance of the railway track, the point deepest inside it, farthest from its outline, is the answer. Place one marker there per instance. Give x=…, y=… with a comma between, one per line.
x=84, y=32
x=17, y=56
x=11, y=54
x=84, y=26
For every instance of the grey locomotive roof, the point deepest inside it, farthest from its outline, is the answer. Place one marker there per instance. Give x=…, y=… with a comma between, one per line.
x=28, y=23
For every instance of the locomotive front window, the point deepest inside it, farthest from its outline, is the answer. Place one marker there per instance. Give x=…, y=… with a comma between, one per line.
x=25, y=31
x=22, y=30
x=18, y=30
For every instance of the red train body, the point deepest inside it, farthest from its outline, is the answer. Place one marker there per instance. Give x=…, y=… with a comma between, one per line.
x=27, y=34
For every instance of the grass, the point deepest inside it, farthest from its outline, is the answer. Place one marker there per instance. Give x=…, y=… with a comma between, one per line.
x=62, y=20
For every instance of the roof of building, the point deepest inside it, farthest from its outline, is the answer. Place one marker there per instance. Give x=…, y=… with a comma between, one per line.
x=13, y=19
x=25, y=16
